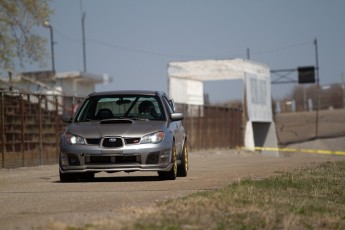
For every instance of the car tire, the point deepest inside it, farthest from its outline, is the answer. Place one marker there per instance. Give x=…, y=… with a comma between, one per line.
x=170, y=175
x=182, y=169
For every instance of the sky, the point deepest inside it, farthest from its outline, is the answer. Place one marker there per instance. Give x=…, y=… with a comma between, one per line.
x=134, y=40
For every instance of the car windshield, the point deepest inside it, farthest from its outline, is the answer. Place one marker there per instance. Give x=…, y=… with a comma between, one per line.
x=120, y=107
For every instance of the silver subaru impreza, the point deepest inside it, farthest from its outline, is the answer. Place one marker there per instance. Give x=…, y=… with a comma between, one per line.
x=124, y=131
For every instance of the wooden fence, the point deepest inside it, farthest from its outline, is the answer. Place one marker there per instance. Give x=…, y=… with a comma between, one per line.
x=210, y=127
x=30, y=127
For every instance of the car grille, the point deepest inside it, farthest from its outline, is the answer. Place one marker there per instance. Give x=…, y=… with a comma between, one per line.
x=93, y=141
x=112, y=159
x=112, y=142
x=130, y=141
x=118, y=143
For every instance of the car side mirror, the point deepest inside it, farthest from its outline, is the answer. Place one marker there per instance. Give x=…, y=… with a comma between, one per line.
x=66, y=118
x=177, y=116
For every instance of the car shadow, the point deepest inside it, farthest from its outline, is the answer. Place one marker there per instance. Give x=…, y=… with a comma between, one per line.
x=126, y=179
x=116, y=179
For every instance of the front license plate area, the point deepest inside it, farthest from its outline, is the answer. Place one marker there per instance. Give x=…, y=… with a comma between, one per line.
x=112, y=159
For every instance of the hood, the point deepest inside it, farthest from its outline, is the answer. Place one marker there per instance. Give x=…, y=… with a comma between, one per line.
x=123, y=128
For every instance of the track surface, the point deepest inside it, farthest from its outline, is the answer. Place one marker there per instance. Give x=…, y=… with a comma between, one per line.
x=34, y=197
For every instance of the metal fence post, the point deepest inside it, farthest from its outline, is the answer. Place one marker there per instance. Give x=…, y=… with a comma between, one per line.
x=3, y=131
x=22, y=128
x=57, y=125
x=40, y=128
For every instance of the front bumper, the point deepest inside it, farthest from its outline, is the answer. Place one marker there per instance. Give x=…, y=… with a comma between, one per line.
x=140, y=157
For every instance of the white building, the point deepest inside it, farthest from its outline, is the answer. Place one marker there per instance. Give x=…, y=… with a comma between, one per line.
x=186, y=86
x=76, y=83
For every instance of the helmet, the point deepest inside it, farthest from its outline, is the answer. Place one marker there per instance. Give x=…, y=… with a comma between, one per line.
x=146, y=107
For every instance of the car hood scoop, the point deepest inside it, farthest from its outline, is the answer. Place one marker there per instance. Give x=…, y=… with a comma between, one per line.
x=115, y=121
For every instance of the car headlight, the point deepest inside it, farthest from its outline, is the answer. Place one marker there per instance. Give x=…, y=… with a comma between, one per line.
x=74, y=139
x=152, y=138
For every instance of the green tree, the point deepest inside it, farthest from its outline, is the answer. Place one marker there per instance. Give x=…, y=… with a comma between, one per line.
x=20, y=41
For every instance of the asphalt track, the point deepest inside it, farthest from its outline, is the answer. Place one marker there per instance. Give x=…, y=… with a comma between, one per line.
x=32, y=198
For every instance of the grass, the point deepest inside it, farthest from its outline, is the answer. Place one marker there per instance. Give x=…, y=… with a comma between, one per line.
x=305, y=199
x=311, y=198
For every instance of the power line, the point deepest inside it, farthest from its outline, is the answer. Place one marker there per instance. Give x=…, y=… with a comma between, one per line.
x=275, y=50
x=129, y=49
x=142, y=51
x=75, y=40
x=174, y=55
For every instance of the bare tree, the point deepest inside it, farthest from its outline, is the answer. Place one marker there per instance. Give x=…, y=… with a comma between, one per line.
x=19, y=39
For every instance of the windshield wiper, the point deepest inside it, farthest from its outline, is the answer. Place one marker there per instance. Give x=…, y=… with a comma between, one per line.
x=131, y=107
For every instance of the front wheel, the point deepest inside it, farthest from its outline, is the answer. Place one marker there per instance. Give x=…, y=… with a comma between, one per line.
x=170, y=175
x=182, y=169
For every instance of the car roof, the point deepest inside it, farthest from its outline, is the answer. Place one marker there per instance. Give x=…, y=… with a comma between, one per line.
x=128, y=92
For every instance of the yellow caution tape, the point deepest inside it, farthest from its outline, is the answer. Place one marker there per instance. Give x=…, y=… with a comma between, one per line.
x=330, y=152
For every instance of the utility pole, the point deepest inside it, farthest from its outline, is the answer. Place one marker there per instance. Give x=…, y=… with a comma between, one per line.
x=343, y=80
x=83, y=36
x=10, y=79
x=50, y=27
x=317, y=89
